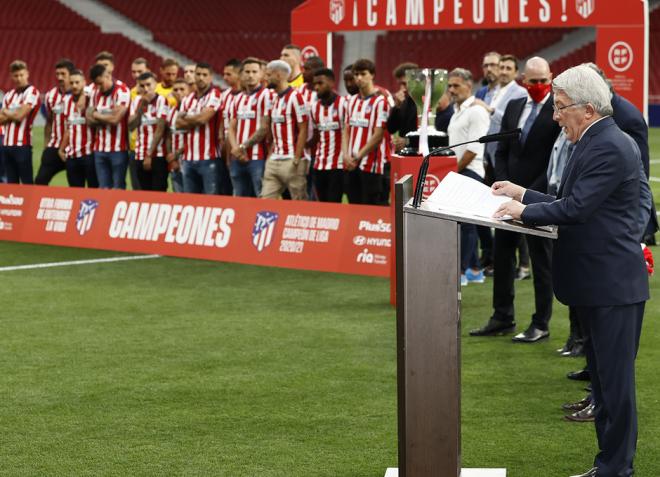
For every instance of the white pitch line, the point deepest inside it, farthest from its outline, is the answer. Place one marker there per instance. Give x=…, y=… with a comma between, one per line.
x=76, y=262
x=654, y=179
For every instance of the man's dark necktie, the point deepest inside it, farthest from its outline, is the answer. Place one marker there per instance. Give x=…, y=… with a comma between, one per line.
x=528, y=123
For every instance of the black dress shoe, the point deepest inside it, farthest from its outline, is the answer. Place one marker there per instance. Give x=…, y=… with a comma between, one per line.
x=495, y=328
x=570, y=342
x=531, y=335
x=575, y=352
x=589, y=473
x=582, y=375
x=585, y=415
x=577, y=406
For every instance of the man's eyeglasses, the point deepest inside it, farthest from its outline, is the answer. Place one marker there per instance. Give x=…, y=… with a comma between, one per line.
x=560, y=109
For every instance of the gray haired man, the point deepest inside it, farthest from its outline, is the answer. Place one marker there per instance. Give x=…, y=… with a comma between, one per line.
x=598, y=265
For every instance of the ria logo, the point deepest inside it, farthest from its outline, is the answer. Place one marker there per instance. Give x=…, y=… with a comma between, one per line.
x=85, y=217
x=262, y=232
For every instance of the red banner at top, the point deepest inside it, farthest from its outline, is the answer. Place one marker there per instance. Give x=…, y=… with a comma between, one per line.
x=346, y=15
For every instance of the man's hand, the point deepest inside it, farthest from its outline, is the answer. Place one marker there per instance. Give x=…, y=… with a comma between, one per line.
x=62, y=155
x=399, y=97
x=513, y=209
x=147, y=98
x=508, y=189
x=399, y=143
x=351, y=163
x=443, y=102
x=146, y=164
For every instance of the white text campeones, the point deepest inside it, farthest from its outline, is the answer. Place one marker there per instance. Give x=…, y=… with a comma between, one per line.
x=205, y=226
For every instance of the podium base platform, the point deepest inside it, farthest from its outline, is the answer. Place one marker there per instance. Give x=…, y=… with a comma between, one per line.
x=394, y=472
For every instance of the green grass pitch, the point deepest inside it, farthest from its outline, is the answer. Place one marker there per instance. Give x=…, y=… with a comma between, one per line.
x=182, y=367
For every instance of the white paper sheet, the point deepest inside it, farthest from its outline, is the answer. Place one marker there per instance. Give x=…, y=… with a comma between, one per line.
x=461, y=194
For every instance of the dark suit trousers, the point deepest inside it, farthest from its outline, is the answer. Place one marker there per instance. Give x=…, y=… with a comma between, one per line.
x=611, y=342
x=540, y=252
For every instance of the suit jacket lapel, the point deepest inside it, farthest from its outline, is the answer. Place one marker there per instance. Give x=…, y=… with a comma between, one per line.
x=577, y=152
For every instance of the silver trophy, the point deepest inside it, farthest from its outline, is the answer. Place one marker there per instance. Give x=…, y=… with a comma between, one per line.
x=416, y=78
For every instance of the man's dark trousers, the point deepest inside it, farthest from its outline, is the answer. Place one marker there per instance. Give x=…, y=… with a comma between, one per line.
x=540, y=252
x=607, y=328
x=51, y=164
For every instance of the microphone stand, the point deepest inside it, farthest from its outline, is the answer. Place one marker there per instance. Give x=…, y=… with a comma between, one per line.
x=423, y=169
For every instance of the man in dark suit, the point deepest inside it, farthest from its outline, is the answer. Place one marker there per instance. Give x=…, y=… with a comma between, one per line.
x=598, y=265
x=630, y=120
x=524, y=161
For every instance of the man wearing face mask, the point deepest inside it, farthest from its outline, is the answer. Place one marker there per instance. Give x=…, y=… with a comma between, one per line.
x=524, y=160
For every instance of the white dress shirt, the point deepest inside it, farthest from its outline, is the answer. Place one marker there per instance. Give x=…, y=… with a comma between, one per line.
x=468, y=123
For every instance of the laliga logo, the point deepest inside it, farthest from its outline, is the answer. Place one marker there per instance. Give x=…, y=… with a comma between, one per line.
x=620, y=56
x=430, y=183
x=337, y=11
x=308, y=52
x=85, y=216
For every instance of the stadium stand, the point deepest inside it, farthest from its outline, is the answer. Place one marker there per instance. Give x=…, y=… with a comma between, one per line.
x=41, y=31
x=259, y=28
x=449, y=49
x=584, y=54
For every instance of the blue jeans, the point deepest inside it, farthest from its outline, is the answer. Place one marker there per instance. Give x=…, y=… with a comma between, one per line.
x=18, y=164
x=111, y=169
x=247, y=177
x=177, y=180
x=200, y=177
x=469, y=249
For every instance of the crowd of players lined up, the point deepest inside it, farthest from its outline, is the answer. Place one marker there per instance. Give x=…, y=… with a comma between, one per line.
x=258, y=138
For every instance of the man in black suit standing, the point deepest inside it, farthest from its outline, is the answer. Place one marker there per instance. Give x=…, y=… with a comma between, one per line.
x=524, y=161
x=598, y=265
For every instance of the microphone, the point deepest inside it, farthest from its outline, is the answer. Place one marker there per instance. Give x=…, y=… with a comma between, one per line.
x=500, y=136
x=423, y=169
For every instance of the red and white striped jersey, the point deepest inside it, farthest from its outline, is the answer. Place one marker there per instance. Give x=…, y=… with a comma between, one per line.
x=54, y=104
x=152, y=112
x=202, y=141
x=308, y=93
x=108, y=137
x=177, y=136
x=288, y=110
x=329, y=121
x=227, y=99
x=80, y=134
x=249, y=111
x=364, y=116
x=20, y=134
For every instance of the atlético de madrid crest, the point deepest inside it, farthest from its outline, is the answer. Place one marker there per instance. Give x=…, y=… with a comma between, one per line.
x=585, y=7
x=337, y=11
x=262, y=232
x=85, y=215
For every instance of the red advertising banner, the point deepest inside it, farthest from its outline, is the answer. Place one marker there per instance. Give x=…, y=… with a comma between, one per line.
x=291, y=234
x=620, y=53
x=351, y=15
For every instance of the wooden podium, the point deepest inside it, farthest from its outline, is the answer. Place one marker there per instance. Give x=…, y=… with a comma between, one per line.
x=428, y=336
